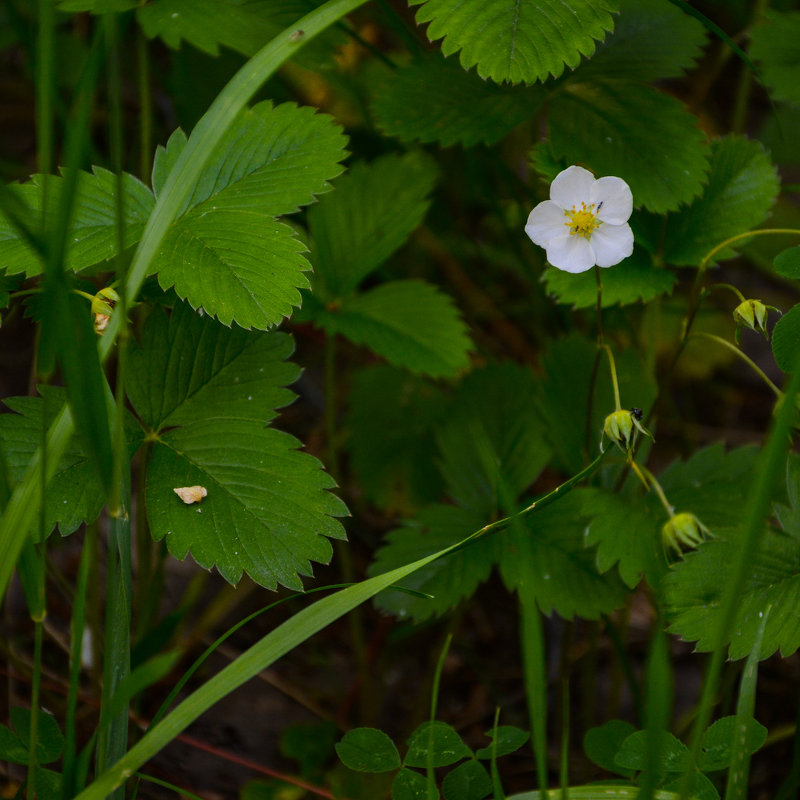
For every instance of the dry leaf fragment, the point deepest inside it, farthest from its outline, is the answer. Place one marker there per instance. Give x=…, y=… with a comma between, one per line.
x=191, y=494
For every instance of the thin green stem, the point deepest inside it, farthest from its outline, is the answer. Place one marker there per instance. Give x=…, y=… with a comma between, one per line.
x=727, y=286
x=747, y=235
x=564, y=709
x=656, y=487
x=179, y=790
x=740, y=354
x=599, y=306
x=145, y=104
x=430, y=774
x=614, y=382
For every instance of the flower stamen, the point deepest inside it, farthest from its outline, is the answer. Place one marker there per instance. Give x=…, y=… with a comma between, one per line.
x=583, y=221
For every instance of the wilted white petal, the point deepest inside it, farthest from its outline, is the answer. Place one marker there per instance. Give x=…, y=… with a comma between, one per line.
x=546, y=222
x=571, y=187
x=611, y=244
x=616, y=198
x=191, y=494
x=571, y=253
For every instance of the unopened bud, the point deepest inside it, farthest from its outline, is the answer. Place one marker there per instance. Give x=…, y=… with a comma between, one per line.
x=683, y=530
x=102, y=307
x=752, y=314
x=621, y=427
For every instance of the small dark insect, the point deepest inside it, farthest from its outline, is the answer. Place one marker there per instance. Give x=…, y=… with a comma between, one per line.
x=297, y=35
x=637, y=412
x=600, y=205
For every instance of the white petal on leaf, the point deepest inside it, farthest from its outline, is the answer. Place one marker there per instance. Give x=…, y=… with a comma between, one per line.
x=571, y=253
x=571, y=187
x=611, y=244
x=616, y=198
x=545, y=223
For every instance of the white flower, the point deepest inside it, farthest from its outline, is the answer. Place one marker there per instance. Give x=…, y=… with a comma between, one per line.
x=585, y=221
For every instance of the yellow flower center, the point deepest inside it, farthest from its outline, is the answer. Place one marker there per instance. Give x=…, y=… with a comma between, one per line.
x=582, y=221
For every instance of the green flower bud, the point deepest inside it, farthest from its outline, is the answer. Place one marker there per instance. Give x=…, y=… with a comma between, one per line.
x=621, y=427
x=683, y=530
x=752, y=314
x=102, y=306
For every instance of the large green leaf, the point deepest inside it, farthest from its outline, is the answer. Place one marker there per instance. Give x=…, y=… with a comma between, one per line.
x=228, y=254
x=190, y=368
x=75, y=494
x=435, y=743
x=435, y=100
x=372, y=212
x=392, y=413
x=92, y=236
x=774, y=45
x=652, y=39
x=518, y=42
x=410, y=323
x=635, y=279
x=786, y=338
x=635, y=132
x=493, y=444
x=742, y=187
x=267, y=510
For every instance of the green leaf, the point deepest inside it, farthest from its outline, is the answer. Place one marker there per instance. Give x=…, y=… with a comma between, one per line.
x=468, y=781
x=774, y=45
x=392, y=411
x=789, y=516
x=717, y=742
x=12, y=748
x=508, y=739
x=547, y=550
x=786, y=338
x=372, y=212
x=493, y=444
x=449, y=580
x=49, y=739
x=437, y=744
x=96, y=6
x=410, y=785
x=207, y=24
x=700, y=787
x=435, y=100
x=189, y=368
x=517, y=42
x=74, y=495
x=694, y=588
x=92, y=235
x=601, y=745
x=228, y=254
x=742, y=186
x=673, y=755
x=368, y=750
x=635, y=279
x=267, y=512
x=410, y=323
x=787, y=263
x=651, y=40
x=635, y=132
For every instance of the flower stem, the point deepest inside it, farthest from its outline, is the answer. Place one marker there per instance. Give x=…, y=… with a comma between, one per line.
x=739, y=236
x=656, y=487
x=732, y=288
x=725, y=343
x=599, y=306
x=613, y=367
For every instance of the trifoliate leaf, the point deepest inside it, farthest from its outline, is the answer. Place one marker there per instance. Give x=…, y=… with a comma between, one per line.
x=372, y=212
x=547, y=551
x=774, y=45
x=267, y=511
x=517, y=42
x=92, y=235
x=74, y=494
x=635, y=279
x=742, y=187
x=449, y=579
x=49, y=739
x=190, y=368
x=435, y=743
x=493, y=445
x=368, y=750
x=410, y=323
x=786, y=339
x=410, y=785
x=564, y=390
x=717, y=744
x=435, y=100
x=652, y=39
x=207, y=24
x=508, y=739
x=467, y=781
x=601, y=745
x=392, y=411
x=229, y=255
x=635, y=132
